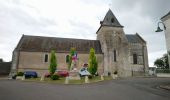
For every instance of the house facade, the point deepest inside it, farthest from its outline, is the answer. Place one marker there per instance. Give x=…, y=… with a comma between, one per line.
x=115, y=51
x=166, y=20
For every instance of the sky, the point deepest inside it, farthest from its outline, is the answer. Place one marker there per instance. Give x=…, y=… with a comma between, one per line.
x=80, y=19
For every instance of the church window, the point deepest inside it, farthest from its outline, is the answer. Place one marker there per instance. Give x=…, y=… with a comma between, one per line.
x=114, y=55
x=112, y=20
x=46, y=58
x=135, y=59
x=67, y=58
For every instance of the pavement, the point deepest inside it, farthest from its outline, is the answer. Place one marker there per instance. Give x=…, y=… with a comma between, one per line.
x=120, y=89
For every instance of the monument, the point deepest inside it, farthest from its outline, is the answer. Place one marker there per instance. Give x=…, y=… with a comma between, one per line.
x=73, y=73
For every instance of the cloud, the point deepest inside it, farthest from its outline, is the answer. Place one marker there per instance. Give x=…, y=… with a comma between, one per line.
x=141, y=16
x=66, y=18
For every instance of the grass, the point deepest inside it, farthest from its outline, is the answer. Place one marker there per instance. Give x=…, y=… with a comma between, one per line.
x=62, y=80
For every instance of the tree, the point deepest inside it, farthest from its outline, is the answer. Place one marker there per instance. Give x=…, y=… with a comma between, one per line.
x=162, y=62
x=53, y=62
x=93, y=65
x=72, y=51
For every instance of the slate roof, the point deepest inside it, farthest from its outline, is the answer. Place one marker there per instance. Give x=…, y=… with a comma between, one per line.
x=135, y=38
x=46, y=44
x=63, y=45
x=110, y=20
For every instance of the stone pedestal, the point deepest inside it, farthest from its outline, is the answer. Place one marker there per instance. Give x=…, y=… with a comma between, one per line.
x=102, y=78
x=67, y=80
x=74, y=75
x=114, y=76
x=23, y=77
x=42, y=78
x=86, y=79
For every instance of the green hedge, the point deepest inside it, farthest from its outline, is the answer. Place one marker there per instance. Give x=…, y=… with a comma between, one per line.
x=55, y=77
x=162, y=70
x=20, y=73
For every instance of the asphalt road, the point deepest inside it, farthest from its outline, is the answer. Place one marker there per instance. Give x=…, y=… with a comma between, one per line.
x=121, y=89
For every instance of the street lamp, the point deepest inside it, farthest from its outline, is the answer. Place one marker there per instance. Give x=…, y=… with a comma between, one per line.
x=159, y=29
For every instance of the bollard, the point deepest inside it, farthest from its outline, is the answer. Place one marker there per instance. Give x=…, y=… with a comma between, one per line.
x=42, y=78
x=102, y=78
x=67, y=80
x=86, y=79
x=23, y=78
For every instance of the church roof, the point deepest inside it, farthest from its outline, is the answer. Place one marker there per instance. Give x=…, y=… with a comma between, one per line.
x=110, y=20
x=135, y=38
x=63, y=45
x=46, y=44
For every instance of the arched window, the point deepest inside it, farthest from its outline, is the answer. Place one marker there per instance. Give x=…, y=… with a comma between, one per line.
x=112, y=20
x=67, y=58
x=135, y=59
x=114, y=55
x=46, y=58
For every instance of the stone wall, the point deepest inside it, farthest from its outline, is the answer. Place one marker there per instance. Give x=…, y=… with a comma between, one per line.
x=35, y=61
x=142, y=59
x=113, y=38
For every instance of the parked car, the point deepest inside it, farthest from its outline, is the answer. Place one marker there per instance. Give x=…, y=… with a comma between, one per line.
x=47, y=74
x=62, y=73
x=84, y=72
x=30, y=74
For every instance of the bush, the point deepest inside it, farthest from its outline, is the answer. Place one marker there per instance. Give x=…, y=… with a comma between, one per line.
x=115, y=72
x=109, y=74
x=90, y=76
x=55, y=77
x=162, y=71
x=20, y=73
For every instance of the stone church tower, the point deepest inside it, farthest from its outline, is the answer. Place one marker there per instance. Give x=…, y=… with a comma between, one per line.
x=114, y=45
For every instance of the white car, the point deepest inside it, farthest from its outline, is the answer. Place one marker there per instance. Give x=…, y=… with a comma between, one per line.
x=84, y=72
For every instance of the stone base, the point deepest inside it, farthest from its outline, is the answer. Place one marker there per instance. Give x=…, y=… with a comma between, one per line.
x=74, y=75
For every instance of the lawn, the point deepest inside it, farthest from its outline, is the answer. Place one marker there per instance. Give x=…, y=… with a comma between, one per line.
x=62, y=80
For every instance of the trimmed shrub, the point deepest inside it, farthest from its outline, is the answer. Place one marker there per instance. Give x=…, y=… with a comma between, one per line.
x=55, y=77
x=109, y=74
x=20, y=73
x=115, y=72
x=90, y=76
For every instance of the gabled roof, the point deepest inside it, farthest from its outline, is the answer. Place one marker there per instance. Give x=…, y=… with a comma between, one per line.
x=63, y=45
x=110, y=20
x=46, y=44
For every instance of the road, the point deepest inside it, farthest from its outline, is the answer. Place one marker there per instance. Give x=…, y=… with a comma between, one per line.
x=121, y=89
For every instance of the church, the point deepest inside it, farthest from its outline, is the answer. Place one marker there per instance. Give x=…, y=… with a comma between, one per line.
x=115, y=51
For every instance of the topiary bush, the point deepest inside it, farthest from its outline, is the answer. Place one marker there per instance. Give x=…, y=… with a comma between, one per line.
x=115, y=72
x=20, y=73
x=90, y=76
x=55, y=77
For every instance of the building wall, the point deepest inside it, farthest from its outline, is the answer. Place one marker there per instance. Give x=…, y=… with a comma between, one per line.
x=142, y=62
x=167, y=34
x=35, y=61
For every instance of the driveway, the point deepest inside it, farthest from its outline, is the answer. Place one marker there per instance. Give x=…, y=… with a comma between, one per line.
x=121, y=89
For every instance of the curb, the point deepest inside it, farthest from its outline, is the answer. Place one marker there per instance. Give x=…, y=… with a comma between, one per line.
x=167, y=87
